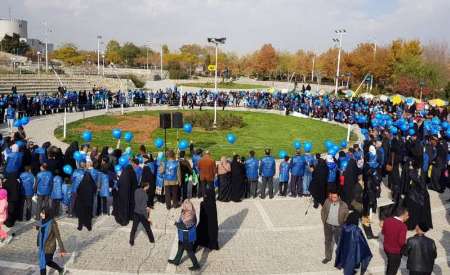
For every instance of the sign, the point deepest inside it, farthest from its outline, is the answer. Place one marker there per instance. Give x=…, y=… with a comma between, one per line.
x=211, y=68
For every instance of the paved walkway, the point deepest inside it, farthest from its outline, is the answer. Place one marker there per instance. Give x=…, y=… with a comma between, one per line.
x=256, y=237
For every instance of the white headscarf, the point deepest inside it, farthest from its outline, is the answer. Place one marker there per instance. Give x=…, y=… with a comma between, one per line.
x=372, y=150
x=15, y=148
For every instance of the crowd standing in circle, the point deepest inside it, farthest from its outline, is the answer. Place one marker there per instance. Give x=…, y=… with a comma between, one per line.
x=403, y=145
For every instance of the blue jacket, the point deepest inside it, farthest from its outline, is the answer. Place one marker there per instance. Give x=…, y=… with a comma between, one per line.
x=267, y=166
x=138, y=172
x=104, y=184
x=298, y=165
x=27, y=181
x=13, y=162
x=171, y=170
x=372, y=161
x=284, y=171
x=10, y=113
x=195, y=159
x=44, y=183
x=251, y=168
x=77, y=177
x=67, y=194
x=57, y=188
x=332, y=172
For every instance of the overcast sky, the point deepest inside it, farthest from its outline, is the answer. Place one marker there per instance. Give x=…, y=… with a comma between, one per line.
x=247, y=24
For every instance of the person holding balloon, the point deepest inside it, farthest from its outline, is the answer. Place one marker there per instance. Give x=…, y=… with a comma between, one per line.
x=172, y=179
x=297, y=167
x=310, y=162
x=283, y=178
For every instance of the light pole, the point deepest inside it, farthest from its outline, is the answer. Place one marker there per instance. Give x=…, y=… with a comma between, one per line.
x=99, y=37
x=103, y=64
x=312, y=70
x=216, y=42
x=339, y=32
x=374, y=58
x=161, y=61
x=47, y=30
x=39, y=62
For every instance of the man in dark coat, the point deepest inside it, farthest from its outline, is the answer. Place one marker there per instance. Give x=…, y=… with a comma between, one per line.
x=84, y=204
x=208, y=227
x=421, y=252
x=350, y=180
x=124, y=201
x=13, y=188
x=318, y=186
x=185, y=170
x=149, y=176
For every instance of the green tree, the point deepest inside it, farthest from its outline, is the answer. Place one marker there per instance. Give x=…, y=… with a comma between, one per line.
x=129, y=52
x=112, y=53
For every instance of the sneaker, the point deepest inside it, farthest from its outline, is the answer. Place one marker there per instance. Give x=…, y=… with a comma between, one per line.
x=172, y=262
x=325, y=261
x=194, y=268
x=131, y=243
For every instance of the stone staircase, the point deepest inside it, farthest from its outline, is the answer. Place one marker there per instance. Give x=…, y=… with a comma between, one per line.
x=31, y=84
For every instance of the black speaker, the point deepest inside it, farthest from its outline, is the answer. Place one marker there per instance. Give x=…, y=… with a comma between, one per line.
x=177, y=120
x=165, y=121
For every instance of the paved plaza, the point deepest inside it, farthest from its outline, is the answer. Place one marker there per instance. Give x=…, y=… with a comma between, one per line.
x=256, y=237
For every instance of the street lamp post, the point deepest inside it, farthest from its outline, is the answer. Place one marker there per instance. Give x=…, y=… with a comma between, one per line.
x=339, y=40
x=161, y=61
x=216, y=42
x=103, y=64
x=47, y=30
x=312, y=70
x=99, y=37
x=39, y=62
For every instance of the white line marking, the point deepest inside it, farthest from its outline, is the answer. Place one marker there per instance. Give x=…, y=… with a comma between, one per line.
x=264, y=215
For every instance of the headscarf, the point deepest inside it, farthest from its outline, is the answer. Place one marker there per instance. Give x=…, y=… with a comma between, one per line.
x=188, y=216
x=3, y=194
x=372, y=150
x=15, y=148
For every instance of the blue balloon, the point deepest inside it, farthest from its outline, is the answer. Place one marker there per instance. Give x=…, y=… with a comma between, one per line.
x=128, y=136
x=159, y=143
x=183, y=144
x=231, y=138
x=444, y=124
x=393, y=130
x=68, y=169
x=375, y=122
x=335, y=148
x=344, y=144
x=116, y=133
x=332, y=151
x=297, y=144
x=307, y=146
x=404, y=127
x=343, y=164
x=187, y=128
x=411, y=132
x=435, y=120
x=24, y=120
x=123, y=160
x=282, y=154
x=117, y=168
x=328, y=144
x=379, y=116
x=78, y=156
x=87, y=136
x=17, y=123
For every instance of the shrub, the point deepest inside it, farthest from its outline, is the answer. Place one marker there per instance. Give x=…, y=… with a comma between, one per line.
x=137, y=82
x=205, y=120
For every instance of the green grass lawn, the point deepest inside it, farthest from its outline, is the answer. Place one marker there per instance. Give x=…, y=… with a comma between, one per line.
x=226, y=85
x=260, y=131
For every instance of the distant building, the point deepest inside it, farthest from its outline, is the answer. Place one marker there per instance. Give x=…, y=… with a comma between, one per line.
x=39, y=46
x=11, y=26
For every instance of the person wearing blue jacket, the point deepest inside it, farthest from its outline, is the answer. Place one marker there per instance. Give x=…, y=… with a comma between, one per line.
x=251, y=171
x=56, y=195
x=310, y=163
x=44, y=182
x=283, y=177
x=77, y=177
x=267, y=171
x=196, y=157
x=27, y=182
x=10, y=115
x=297, y=167
x=104, y=192
x=14, y=160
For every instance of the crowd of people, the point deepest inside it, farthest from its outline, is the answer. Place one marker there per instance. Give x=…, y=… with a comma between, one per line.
x=404, y=147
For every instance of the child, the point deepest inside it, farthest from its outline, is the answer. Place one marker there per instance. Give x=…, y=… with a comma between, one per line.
x=56, y=194
x=3, y=211
x=186, y=235
x=27, y=182
x=284, y=176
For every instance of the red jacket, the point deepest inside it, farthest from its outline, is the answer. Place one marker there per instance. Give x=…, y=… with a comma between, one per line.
x=394, y=232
